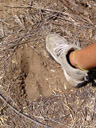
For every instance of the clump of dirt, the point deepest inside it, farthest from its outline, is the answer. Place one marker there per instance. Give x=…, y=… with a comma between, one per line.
x=41, y=78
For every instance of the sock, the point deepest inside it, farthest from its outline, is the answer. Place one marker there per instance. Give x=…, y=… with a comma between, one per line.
x=69, y=59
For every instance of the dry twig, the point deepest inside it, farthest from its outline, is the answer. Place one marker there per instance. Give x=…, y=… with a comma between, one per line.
x=23, y=115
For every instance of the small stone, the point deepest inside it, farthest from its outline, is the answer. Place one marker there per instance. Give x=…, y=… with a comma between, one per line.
x=52, y=70
x=88, y=118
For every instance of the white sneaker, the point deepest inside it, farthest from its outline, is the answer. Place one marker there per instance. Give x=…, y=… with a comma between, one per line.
x=59, y=48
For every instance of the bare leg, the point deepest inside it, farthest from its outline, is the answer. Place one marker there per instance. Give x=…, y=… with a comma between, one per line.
x=85, y=57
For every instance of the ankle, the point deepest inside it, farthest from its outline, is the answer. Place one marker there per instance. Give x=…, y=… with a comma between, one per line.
x=75, y=59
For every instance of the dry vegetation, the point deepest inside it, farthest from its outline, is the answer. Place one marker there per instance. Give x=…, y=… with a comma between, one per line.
x=33, y=90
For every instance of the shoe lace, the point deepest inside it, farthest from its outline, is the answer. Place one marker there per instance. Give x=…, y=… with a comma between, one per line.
x=60, y=48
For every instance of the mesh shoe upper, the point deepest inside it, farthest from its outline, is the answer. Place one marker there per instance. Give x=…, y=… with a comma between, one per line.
x=58, y=47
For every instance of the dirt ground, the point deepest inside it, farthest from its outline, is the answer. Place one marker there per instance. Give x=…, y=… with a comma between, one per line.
x=33, y=90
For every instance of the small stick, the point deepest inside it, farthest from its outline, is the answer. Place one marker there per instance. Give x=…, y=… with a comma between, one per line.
x=23, y=115
x=43, y=9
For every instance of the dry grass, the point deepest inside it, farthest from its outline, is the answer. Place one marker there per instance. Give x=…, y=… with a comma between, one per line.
x=28, y=21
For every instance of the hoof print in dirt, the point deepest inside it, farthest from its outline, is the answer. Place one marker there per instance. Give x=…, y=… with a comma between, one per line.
x=39, y=80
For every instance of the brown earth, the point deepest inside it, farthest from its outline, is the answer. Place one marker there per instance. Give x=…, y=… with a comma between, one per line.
x=30, y=80
x=42, y=75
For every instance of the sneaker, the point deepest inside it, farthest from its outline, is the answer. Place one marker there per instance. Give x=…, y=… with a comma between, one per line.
x=59, y=48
